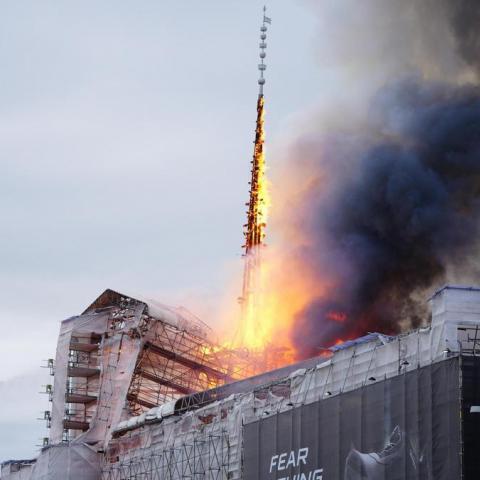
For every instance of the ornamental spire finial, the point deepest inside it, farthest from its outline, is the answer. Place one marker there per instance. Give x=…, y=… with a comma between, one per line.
x=263, y=45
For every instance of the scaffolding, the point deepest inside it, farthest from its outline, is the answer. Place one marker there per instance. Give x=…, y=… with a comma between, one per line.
x=174, y=362
x=202, y=437
x=124, y=356
x=197, y=459
x=82, y=385
x=469, y=340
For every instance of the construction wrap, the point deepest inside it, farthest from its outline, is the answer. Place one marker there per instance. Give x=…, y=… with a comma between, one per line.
x=406, y=427
x=85, y=324
x=64, y=461
x=119, y=355
x=471, y=417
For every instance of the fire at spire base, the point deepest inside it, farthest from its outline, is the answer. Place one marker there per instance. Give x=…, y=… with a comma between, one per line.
x=248, y=335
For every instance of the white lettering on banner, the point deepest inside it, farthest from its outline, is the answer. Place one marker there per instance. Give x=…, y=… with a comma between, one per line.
x=294, y=459
x=278, y=461
x=302, y=455
x=291, y=460
x=273, y=462
x=312, y=475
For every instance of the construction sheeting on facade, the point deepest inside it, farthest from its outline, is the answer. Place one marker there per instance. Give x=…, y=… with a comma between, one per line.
x=116, y=355
x=67, y=461
x=205, y=438
x=119, y=354
x=178, y=317
x=470, y=416
x=200, y=444
x=117, y=360
x=17, y=469
x=83, y=327
x=404, y=428
x=152, y=446
x=170, y=446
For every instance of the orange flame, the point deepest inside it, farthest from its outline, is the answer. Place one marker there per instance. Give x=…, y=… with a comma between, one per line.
x=286, y=289
x=283, y=285
x=263, y=202
x=277, y=285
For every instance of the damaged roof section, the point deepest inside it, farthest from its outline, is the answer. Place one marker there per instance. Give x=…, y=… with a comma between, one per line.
x=127, y=354
x=178, y=317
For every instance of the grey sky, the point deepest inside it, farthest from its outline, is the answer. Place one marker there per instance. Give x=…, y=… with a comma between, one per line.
x=126, y=133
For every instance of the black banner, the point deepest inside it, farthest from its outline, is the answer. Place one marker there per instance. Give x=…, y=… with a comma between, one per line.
x=471, y=417
x=403, y=428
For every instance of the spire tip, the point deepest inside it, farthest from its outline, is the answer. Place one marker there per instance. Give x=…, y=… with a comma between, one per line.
x=263, y=36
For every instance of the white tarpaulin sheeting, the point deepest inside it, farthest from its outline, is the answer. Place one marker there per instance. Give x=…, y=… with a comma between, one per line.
x=67, y=462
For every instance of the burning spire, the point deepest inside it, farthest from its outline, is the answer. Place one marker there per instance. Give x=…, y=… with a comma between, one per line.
x=254, y=232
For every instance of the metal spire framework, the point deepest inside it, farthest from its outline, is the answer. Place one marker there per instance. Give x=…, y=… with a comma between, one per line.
x=254, y=229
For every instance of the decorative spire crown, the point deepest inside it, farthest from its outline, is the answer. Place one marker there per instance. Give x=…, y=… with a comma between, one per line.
x=262, y=66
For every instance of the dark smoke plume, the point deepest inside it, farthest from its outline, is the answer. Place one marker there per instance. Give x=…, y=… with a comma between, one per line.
x=392, y=212
x=397, y=208
x=464, y=18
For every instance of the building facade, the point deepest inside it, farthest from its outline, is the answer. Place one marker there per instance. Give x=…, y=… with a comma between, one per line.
x=378, y=407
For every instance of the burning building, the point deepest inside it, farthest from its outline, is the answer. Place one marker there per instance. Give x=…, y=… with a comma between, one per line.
x=250, y=328
x=138, y=396
x=374, y=385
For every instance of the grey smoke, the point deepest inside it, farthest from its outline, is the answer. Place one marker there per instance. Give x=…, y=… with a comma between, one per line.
x=370, y=42
x=396, y=212
x=406, y=212
x=464, y=18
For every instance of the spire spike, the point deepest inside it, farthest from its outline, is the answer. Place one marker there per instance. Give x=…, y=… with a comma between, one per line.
x=262, y=66
x=254, y=230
